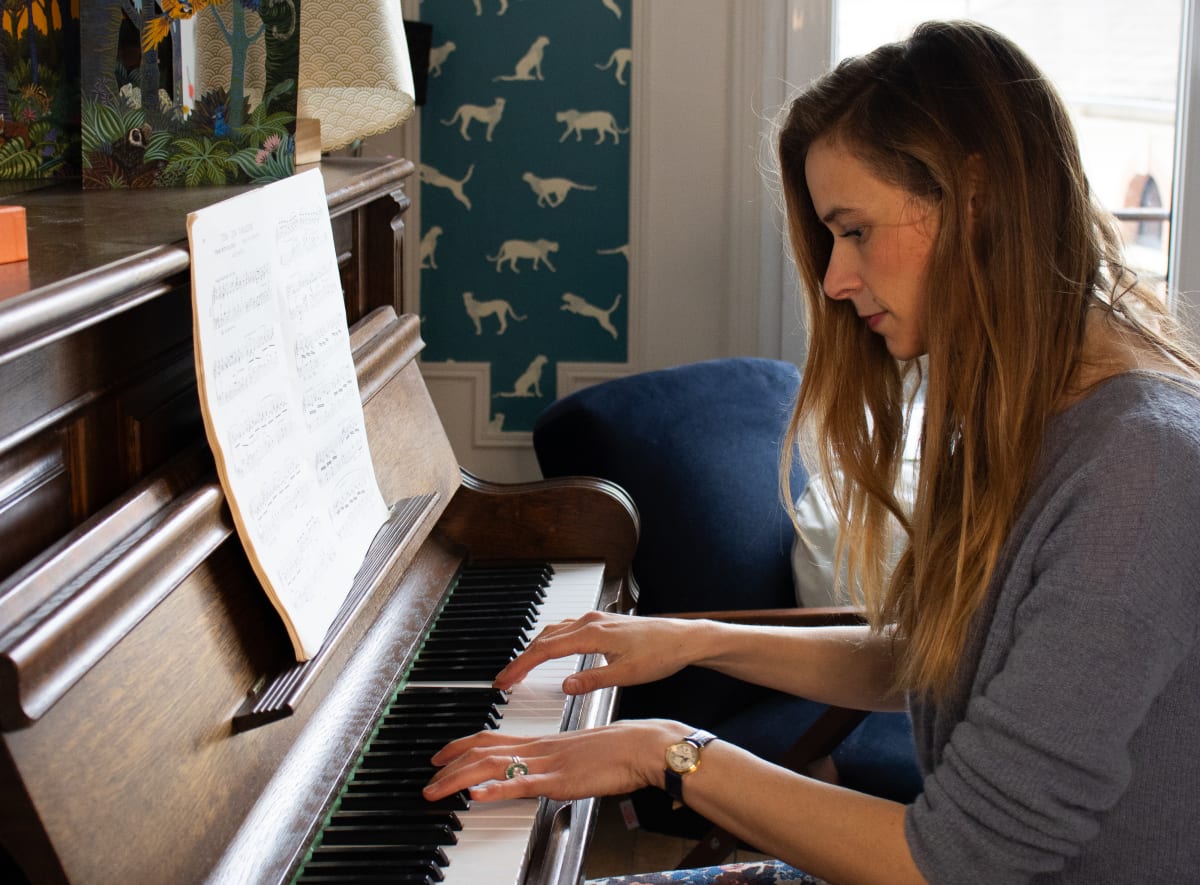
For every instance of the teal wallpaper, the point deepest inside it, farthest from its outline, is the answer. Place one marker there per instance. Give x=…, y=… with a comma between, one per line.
x=525, y=192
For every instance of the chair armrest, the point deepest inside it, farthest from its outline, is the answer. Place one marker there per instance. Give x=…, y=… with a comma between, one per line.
x=826, y=616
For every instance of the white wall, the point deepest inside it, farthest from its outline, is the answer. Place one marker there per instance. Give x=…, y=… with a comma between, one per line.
x=697, y=217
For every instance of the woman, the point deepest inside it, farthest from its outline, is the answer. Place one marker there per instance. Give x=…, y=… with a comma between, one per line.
x=1041, y=620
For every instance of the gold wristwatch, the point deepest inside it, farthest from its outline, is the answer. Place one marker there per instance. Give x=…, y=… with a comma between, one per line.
x=684, y=758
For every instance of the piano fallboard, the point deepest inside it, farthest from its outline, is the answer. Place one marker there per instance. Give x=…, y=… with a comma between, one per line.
x=128, y=647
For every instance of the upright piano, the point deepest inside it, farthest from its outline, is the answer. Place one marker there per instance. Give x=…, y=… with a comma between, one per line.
x=155, y=725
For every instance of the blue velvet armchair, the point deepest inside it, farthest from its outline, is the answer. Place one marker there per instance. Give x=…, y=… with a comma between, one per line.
x=697, y=447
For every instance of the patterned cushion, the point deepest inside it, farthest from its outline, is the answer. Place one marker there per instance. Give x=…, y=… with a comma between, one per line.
x=769, y=872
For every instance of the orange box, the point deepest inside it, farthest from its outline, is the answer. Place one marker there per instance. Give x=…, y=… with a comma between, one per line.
x=14, y=242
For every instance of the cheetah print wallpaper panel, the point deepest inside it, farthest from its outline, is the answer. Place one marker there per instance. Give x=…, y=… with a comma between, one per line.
x=525, y=192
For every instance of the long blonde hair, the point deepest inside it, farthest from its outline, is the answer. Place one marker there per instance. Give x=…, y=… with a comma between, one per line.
x=1008, y=297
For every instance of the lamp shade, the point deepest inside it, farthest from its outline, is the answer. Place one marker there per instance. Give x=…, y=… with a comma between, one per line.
x=355, y=73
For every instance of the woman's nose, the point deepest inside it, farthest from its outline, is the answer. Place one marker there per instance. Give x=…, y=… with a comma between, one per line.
x=840, y=279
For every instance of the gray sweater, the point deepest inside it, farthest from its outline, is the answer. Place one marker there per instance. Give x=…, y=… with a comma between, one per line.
x=1070, y=750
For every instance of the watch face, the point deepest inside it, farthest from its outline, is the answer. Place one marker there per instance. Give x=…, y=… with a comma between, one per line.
x=682, y=757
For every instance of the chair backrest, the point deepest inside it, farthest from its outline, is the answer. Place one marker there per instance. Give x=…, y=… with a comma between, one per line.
x=698, y=448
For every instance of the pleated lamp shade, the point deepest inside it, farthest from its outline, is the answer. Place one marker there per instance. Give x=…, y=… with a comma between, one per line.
x=355, y=73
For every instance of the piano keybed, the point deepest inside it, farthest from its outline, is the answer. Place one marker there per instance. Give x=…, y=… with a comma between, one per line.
x=381, y=829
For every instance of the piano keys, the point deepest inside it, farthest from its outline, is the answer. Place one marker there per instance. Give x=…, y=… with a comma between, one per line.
x=381, y=829
x=133, y=632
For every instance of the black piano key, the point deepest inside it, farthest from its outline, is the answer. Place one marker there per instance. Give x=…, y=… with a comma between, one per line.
x=386, y=762
x=477, y=607
x=477, y=673
x=384, y=783
x=476, y=597
x=418, y=829
x=521, y=573
x=364, y=859
x=446, y=728
x=481, y=659
x=342, y=877
x=366, y=868
x=413, y=817
x=356, y=837
x=327, y=855
x=513, y=626
x=472, y=606
x=497, y=591
x=394, y=742
x=474, y=706
x=404, y=801
x=486, y=643
x=413, y=830
x=373, y=871
x=377, y=770
x=470, y=654
x=456, y=801
x=440, y=697
x=443, y=719
x=486, y=625
x=485, y=575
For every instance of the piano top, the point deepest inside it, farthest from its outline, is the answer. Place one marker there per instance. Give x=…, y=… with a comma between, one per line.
x=73, y=231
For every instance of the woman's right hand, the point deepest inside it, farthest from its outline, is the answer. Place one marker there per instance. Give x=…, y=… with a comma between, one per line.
x=637, y=649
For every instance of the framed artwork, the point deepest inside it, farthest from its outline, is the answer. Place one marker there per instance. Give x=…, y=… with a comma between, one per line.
x=188, y=92
x=39, y=89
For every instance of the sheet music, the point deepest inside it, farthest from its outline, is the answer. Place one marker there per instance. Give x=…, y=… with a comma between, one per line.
x=280, y=398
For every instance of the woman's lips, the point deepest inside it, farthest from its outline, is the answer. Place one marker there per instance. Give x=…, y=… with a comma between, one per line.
x=874, y=320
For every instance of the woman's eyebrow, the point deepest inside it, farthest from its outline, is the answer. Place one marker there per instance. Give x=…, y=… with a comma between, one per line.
x=836, y=214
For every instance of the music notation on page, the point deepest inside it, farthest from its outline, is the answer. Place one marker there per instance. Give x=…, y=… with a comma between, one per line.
x=280, y=398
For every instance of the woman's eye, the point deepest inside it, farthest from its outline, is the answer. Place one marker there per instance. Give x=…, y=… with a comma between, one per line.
x=857, y=233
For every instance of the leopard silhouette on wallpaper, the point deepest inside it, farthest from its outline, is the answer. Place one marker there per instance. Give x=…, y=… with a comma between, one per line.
x=602, y=122
x=438, y=56
x=552, y=191
x=621, y=59
x=429, y=247
x=513, y=250
x=529, y=67
x=431, y=176
x=503, y=7
x=577, y=305
x=619, y=250
x=529, y=382
x=467, y=114
x=496, y=307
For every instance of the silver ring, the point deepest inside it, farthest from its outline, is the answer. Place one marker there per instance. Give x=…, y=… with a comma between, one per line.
x=516, y=768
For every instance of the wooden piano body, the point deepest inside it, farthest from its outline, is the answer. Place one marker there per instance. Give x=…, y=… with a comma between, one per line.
x=131, y=641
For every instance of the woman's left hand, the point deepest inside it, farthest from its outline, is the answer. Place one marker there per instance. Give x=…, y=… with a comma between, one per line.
x=616, y=758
